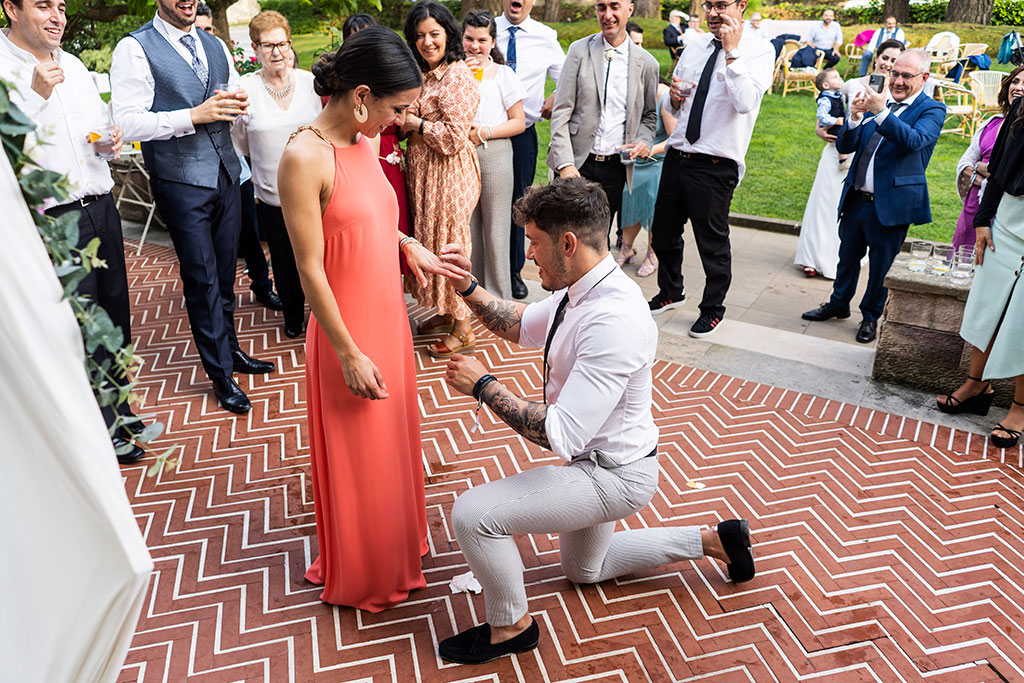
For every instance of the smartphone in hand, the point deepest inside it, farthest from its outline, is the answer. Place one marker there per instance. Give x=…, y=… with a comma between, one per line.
x=876, y=82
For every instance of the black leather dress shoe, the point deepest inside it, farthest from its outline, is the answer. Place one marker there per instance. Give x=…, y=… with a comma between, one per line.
x=867, y=331
x=735, y=536
x=133, y=428
x=519, y=290
x=270, y=299
x=132, y=453
x=292, y=331
x=474, y=646
x=250, y=366
x=825, y=312
x=231, y=396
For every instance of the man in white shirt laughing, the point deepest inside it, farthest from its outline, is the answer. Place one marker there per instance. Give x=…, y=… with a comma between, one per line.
x=596, y=415
x=57, y=93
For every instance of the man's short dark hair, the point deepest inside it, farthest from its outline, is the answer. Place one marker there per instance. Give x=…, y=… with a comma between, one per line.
x=203, y=10
x=633, y=27
x=574, y=205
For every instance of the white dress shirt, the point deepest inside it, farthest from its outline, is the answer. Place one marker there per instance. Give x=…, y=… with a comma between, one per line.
x=264, y=131
x=734, y=97
x=132, y=86
x=600, y=360
x=63, y=122
x=538, y=55
x=611, y=131
x=869, y=177
x=883, y=34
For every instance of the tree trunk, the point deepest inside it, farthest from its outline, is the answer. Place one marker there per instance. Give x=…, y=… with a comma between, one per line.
x=492, y=6
x=646, y=8
x=695, y=8
x=970, y=11
x=552, y=9
x=219, y=8
x=899, y=9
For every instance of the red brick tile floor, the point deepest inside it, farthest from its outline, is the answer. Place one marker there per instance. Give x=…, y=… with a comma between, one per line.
x=888, y=549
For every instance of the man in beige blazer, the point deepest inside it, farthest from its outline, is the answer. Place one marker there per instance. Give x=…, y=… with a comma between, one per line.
x=606, y=100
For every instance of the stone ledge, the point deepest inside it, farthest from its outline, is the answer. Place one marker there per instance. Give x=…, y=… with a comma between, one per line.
x=743, y=220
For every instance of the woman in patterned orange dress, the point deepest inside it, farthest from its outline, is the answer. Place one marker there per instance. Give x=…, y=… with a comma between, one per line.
x=364, y=431
x=443, y=172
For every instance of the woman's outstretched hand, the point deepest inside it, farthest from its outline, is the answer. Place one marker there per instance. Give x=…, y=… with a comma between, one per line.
x=422, y=261
x=454, y=256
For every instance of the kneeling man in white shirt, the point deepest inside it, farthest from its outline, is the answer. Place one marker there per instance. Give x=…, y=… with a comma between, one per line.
x=599, y=343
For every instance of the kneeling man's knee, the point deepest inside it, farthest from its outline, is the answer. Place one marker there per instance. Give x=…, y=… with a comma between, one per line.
x=577, y=574
x=468, y=513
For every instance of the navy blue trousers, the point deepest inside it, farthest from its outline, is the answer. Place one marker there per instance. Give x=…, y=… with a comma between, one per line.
x=249, y=246
x=859, y=230
x=204, y=226
x=524, y=167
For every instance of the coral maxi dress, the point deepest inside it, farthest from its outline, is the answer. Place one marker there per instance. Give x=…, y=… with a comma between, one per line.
x=371, y=520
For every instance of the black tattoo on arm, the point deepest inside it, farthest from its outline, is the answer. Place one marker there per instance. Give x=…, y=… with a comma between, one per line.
x=525, y=417
x=499, y=316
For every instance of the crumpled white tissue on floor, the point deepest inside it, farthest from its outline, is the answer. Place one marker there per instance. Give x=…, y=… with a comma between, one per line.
x=465, y=583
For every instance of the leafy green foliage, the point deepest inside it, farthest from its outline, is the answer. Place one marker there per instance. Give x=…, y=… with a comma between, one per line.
x=113, y=379
x=1008, y=12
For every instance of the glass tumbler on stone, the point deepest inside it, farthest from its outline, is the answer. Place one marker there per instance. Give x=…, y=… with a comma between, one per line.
x=941, y=261
x=963, y=264
x=919, y=254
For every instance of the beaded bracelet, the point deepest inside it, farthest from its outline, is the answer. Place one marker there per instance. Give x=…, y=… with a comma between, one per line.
x=481, y=383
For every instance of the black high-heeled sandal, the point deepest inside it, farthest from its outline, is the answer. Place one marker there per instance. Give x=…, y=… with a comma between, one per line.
x=978, y=404
x=1006, y=441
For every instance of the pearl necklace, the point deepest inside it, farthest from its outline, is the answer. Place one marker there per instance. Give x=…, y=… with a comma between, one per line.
x=278, y=94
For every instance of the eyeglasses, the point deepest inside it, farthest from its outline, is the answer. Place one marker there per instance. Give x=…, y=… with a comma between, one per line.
x=281, y=47
x=208, y=29
x=904, y=76
x=718, y=7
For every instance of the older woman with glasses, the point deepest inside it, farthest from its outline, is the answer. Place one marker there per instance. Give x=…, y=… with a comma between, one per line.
x=281, y=100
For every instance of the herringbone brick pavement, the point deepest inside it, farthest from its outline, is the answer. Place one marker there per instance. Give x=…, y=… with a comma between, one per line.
x=888, y=549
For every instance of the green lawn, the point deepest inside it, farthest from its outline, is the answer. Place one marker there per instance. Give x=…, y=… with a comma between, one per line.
x=784, y=150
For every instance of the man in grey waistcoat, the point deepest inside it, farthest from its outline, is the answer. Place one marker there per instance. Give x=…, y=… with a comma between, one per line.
x=164, y=82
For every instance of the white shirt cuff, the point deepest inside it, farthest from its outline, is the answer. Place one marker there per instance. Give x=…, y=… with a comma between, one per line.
x=181, y=121
x=882, y=116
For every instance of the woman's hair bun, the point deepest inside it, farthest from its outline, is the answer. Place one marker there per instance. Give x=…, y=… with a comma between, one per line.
x=375, y=57
x=325, y=76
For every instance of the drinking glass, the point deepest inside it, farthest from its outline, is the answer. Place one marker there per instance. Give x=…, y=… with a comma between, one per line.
x=624, y=153
x=963, y=264
x=229, y=88
x=919, y=254
x=102, y=141
x=942, y=260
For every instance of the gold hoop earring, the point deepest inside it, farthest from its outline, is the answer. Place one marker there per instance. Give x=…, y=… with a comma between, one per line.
x=360, y=113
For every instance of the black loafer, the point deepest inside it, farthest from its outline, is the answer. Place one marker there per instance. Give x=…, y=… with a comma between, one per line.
x=292, y=331
x=250, y=366
x=474, y=646
x=131, y=453
x=735, y=537
x=867, y=331
x=134, y=428
x=825, y=312
x=519, y=290
x=231, y=396
x=270, y=299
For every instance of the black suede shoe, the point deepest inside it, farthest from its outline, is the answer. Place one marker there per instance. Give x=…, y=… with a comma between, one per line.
x=825, y=312
x=250, y=366
x=270, y=299
x=231, y=396
x=868, y=330
x=474, y=646
x=132, y=453
x=735, y=536
x=519, y=290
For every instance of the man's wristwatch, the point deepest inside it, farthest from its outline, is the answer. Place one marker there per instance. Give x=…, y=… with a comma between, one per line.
x=732, y=54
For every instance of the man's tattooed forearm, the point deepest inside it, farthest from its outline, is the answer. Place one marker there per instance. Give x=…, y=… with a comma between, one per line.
x=525, y=417
x=496, y=315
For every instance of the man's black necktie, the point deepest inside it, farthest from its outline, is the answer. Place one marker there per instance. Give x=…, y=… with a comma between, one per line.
x=555, y=322
x=697, y=109
x=864, y=158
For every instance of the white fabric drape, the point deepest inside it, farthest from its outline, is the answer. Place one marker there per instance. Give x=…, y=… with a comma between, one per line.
x=73, y=565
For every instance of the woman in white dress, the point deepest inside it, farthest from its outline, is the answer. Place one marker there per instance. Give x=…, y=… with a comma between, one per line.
x=280, y=100
x=818, y=248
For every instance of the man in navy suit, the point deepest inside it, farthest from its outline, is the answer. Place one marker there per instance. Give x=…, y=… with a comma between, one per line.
x=886, y=189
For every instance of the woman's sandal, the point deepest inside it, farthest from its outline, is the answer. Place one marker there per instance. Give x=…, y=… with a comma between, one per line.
x=810, y=272
x=467, y=342
x=649, y=265
x=436, y=325
x=1006, y=441
x=978, y=404
x=622, y=259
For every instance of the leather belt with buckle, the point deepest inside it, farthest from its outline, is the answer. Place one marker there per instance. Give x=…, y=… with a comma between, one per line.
x=866, y=196
x=602, y=158
x=84, y=201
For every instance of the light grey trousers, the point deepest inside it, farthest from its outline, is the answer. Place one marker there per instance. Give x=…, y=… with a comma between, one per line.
x=580, y=502
x=491, y=222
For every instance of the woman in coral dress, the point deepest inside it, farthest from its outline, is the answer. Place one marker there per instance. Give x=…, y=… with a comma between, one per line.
x=342, y=218
x=443, y=170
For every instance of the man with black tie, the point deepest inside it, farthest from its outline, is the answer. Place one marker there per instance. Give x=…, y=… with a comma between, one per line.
x=607, y=99
x=530, y=49
x=595, y=415
x=716, y=95
x=885, y=189
x=163, y=79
